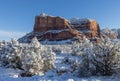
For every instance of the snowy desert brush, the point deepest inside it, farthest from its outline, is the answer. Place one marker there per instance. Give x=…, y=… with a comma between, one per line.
x=11, y=54
x=80, y=48
x=33, y=58
x=106, y=57
x=98, y=58
x=37, y=58
x=84, y=51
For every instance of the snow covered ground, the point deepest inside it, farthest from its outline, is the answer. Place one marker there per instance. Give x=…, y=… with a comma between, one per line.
x=8, y=74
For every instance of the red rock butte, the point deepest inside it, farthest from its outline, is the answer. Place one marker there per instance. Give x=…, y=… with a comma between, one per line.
x=58, y=28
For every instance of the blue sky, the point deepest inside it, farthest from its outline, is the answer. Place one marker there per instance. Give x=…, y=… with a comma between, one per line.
x=17, y=16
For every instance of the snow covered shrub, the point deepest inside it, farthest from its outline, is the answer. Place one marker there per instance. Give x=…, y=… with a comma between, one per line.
x=48, y=58
x=106, y=57
x=66, y=60
x=74, y=66
x=60, y=49
x=57, y=49
x=83, y=68
x=76, y=49
x=101, y=58
x=80, y=48
x=37, y=58
x=11, y=54
x=33, y=58
x=84, y=51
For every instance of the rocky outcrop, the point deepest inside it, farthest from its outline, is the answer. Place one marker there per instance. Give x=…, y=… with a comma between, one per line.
x=57, y=28
x=53, y=28
x=88, y=27
x=112, y=34
x=44, y=23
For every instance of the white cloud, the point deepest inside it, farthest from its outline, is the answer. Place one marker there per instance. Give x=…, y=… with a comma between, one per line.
x=7, y=35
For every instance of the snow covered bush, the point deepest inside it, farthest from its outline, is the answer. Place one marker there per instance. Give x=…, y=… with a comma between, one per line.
x=76, y=49
x=37, y=58
x=60, y=49
x=33, y=58
x=106, y=57
x=57, y=49
x=84, y=51
x=11, y=54
x=101, y=58
x=81, y=48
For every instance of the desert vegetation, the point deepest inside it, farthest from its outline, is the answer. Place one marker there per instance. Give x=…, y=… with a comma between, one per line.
x=90, y=58
x=33, y=58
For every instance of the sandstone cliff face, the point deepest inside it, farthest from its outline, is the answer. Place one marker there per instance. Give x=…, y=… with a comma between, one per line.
x=53, y=28
x=63, y=29
x=87, y=26
x=57, y=28
x=45, y=23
